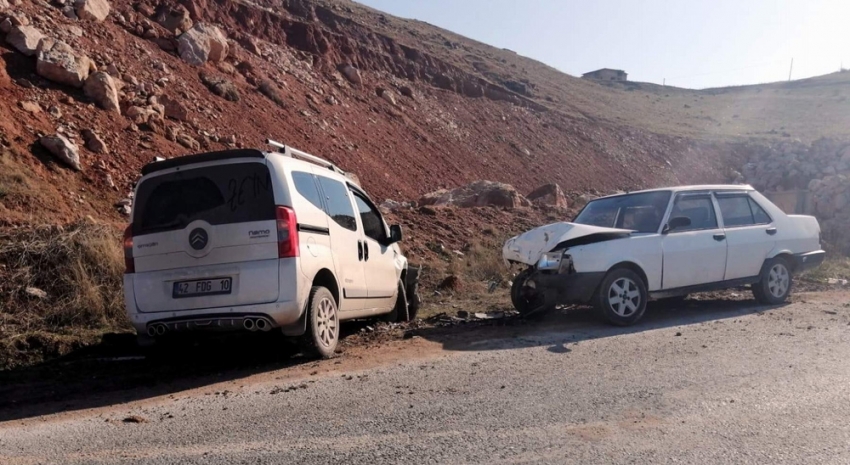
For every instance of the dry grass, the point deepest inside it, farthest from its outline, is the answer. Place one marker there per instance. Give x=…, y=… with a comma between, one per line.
x=80, y=269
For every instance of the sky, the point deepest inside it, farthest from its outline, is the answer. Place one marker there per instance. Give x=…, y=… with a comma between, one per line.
x=689, y=43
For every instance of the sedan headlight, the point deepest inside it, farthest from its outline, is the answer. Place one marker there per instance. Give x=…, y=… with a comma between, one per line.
x=550, y=261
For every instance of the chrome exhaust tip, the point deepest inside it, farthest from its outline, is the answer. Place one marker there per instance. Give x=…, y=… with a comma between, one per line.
x=151, y=331
x=161, y=329
x=248, y=324
x=263, y=325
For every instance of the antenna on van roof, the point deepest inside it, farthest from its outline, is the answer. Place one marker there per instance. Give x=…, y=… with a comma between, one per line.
x=295, y=153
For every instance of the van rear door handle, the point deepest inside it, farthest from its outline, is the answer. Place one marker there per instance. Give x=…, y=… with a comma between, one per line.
x=359, y=251
x=366, y=251
x=771, y=231
x=719, y=237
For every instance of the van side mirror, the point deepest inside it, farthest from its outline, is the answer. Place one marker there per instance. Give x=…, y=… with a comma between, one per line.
x=395, y=234
x=678, y=223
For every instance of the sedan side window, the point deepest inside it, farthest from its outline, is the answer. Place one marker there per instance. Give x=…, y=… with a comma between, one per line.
x=736, y=211
x=760, y=216
x=697, y=208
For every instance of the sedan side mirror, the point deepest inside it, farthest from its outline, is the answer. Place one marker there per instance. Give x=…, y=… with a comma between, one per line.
x=395, y=234
x=678, y=223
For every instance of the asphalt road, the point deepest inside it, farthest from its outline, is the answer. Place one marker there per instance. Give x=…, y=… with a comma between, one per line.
x=716, y=382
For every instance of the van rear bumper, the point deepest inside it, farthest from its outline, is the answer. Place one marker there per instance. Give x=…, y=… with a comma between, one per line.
x=221, y=319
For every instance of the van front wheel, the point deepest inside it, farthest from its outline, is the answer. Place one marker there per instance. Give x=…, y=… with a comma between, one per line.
x=322, y=334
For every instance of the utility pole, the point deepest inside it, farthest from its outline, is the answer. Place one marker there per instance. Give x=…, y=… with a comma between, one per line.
x=790, y=70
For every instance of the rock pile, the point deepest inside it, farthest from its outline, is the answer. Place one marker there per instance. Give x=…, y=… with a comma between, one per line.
x=822, y=168
x=477, y=194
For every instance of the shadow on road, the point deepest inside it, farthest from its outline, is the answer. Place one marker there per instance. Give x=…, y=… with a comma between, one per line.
x=116, y=372
x=559, y=328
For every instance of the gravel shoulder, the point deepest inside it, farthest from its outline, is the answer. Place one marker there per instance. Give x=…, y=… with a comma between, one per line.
x=717, y=381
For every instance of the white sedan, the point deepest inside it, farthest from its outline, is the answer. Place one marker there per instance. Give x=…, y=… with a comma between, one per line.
x=663, y=243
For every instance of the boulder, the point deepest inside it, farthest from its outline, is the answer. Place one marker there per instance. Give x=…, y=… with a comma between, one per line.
x=220, y=86
x=58, y=62
x=94, y=142
x=140, y=115
x=477, y=194
x=386, y=95
x=101, y=88
x=174, y=18
x=351, y=73
x=549, y=195
x=187, y=141
x=25, y=39
x=202, y=43
x=63, y=149
x=92, y=10
x=174, y=108
x=406, y=91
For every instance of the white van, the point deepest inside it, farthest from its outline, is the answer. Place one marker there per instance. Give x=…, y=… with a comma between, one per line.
x=260, y=241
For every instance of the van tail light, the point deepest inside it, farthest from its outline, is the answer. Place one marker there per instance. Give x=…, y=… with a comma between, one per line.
x=287, y=233
x=129, y=262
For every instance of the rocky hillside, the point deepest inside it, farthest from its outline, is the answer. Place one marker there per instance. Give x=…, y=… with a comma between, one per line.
x=90, y=90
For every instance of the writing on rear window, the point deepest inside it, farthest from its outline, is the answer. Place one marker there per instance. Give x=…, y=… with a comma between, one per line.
x=222, y=194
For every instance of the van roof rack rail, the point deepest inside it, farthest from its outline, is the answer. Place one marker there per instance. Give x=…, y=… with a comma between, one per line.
x=295, y=153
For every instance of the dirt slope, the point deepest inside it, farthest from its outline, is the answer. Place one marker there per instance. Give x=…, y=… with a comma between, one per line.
x=466, y=117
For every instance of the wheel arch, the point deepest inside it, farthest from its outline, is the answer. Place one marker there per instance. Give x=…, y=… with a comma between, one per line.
x=786, y=255
x=633, y=267
x=326, y=278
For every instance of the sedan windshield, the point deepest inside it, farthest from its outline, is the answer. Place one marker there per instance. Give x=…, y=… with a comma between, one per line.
x=638, y=212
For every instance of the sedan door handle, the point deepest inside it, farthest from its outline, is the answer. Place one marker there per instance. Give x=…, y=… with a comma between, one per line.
x=771, y=231
x=719, y=237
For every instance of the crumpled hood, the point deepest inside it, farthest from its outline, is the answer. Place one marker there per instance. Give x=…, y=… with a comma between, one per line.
x=530, y=246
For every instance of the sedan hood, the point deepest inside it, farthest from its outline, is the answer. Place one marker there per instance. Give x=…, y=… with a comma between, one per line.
x=530, y=246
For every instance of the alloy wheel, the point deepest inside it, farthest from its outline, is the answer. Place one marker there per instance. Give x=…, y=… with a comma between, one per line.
x=624, y=297
x=778, y=280
x=326, y=322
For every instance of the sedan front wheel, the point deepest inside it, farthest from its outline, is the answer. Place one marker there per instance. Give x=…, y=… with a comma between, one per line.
x=622, y=297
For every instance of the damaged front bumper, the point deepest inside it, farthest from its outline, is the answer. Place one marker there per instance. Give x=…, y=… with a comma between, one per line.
x=556, y=281
x=556, y=288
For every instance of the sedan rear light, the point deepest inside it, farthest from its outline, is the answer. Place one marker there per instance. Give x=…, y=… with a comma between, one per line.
x=287, y=233
x=129, y=262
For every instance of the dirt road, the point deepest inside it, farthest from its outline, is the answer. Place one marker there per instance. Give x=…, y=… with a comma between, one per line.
x=715, y=382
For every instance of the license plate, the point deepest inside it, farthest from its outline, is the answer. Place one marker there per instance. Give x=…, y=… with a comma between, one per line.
x=215, y=286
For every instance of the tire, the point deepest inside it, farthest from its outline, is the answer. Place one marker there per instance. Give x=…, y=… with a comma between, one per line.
x=414, y=300
x=401, y=311
x=621, y=297
x=521, y=297
x=322, y=334
x=775, y=284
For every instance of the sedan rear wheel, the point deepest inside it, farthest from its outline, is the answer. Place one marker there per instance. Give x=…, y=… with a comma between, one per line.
x=775, y=284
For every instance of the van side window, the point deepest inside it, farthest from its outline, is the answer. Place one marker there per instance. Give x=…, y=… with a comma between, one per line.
x=306, y=186
x=759, y=214
x=339, y=203
x=373, y=226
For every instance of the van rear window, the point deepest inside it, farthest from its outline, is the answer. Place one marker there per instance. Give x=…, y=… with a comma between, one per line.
x=223, y=194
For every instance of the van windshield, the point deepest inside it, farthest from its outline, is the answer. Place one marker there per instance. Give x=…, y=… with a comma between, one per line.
x=223, y=194
x=638, y=212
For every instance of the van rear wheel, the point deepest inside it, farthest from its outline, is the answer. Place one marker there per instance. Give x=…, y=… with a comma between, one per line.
x=322, y=334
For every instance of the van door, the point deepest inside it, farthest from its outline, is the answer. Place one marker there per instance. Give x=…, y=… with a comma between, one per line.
x=379, y=258
x=346, y=243
x=205, y=237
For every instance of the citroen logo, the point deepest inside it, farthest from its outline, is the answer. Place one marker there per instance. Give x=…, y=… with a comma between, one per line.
x=198, y=239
